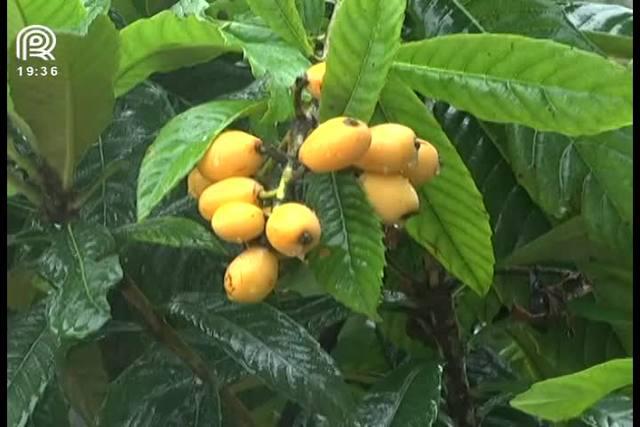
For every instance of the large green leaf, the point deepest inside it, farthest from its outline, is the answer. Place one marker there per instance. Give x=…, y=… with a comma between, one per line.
x=172, y=231
x=589, y=308
x=315, y=313
x=272, y=58
x=312, y=14
x=58, y=15
x=159, y=389
x=363, y=39
x=506, y=78
x=68, y=111
x=31, y=352
x=608, y=188
x=560, y=350
x=515, y=219
x=15, y=20
x=82, y=266
x=350, y=260
x=161, y=271
x=166, y=42
x=96, y=7
x=533, y=18
x=613, y=286
x=566, y=242
x=179, y=146
x=408, y=396
x=138, y=117
x=452, y=224
x=272, y=346
x=284, y=19
x=566, y=176
x=357, y=333
x=609, y=26
x=566, y=397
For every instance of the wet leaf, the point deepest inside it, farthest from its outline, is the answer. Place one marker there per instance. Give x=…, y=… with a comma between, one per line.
x=349, y=261
x=31, y=352
x=82, y=266
x=272, y=346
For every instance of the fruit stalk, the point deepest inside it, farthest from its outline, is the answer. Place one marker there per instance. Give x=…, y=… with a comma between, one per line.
x=302, y=125
x=167, y=336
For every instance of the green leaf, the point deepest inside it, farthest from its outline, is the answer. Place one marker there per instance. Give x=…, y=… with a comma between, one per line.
x=408, y=396
x=31, y=351
x=612, y=411
x=567, y=176
x=15, y=21
x=312, y=14
x=58, y=15
x=315, y=313
x=159, y=389
x=567, y=241
x=565, y=349
x=515, y=219
x=613, y=286
x=174, y=232
x=272, y=346
x=284, y=19
x=174, y=270
x=542, y=19
x=566, y=397
x=349, y=262
x=590, y=309
x=609, y=26
x=166, y=42
x=608, y=188
x=68, y=111
x=82, y=266
x=364, y=367
x=452, y=223
x=273, y=59
x=363, y=39
x=394, y=329
x=138, y=117
x=461, y=70
x=179, y=146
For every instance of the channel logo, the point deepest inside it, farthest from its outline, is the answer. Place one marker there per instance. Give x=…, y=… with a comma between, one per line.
x=35, y=41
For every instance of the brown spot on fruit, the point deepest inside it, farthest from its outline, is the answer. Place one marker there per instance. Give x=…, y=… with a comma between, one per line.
x=293, y=229
x=335, y=145
x=251, y=276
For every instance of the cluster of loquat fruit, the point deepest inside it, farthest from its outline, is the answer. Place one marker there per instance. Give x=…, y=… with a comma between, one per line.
x=392, y=159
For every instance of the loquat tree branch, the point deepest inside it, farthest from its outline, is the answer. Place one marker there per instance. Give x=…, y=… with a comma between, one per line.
x=167, y=336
